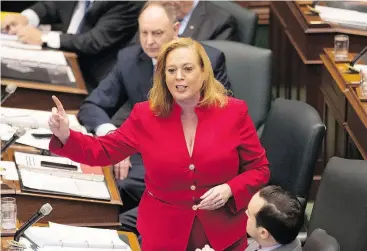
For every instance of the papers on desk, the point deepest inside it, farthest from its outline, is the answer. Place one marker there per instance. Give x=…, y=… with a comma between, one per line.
x=36, y=163
x=36, y=122
x=19, y=45
x=44, y=182
x=63, y=237
x=8, y=170
x=40, y=57
x=349, y=18
x=361, y=67
x=33, y=118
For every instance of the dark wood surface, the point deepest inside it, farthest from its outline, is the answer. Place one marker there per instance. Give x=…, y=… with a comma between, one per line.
x=296, y=40
x=261, y=8
x=37, y=96
x=66, y=209
x=133, y=241
x=344, y=113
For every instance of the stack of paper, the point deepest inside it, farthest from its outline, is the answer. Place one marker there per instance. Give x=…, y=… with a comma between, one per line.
x=8, y=170
x=34, y=163
x=74, y=238
x=42, y=57
x=64, y=185
x=350, y=18
x=36, y=123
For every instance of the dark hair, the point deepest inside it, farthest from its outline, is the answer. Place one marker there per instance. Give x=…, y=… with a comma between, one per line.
x=282, y=215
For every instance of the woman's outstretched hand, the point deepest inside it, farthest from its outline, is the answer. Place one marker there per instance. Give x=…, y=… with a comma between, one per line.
x=59, y=121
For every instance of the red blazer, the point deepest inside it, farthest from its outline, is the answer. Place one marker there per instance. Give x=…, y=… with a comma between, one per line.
x=226, y=150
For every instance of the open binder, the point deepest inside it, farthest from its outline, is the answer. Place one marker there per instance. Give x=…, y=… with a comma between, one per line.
x=35, y=178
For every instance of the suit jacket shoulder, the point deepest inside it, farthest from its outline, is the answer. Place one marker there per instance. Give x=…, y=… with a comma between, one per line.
x=208, y=22
x=293, y=246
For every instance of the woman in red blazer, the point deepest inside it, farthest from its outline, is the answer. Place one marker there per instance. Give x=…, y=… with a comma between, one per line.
x=200, y=149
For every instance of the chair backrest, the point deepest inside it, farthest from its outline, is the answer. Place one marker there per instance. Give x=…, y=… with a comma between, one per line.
x=246, y=20
x=341, y=203
x=249, y=70
x=319, y=240
x=292, y=138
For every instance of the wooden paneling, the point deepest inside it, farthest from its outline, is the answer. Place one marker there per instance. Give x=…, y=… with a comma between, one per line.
x=261, y=8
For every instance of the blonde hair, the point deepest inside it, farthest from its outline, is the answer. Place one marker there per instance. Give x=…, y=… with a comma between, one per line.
x=160, y=99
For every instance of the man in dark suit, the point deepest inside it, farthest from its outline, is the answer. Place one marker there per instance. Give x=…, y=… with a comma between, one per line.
x=95, y=30
x=131, y=80
x=202, y=20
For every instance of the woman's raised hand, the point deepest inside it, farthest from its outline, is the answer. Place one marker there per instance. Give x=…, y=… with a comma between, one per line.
x=59, y=121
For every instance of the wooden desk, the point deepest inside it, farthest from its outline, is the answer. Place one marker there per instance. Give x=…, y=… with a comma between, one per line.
x=297, y=40
x=133, y=241
x=66, y=210
x=261, y=8
x=344, y=114
x=37, y=96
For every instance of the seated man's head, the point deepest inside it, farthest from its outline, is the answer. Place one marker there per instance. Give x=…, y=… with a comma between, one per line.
x=157, y=26
x=274, y=217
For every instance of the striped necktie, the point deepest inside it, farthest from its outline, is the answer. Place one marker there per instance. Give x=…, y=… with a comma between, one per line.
x=87, y=4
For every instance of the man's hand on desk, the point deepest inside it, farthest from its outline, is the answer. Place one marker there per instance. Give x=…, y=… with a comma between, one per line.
x=29, y=35
x=121, y=169
x=12, y=21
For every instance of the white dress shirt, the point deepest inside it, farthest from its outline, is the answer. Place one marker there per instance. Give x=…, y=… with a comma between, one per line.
x=186, y=19
x=52, y=38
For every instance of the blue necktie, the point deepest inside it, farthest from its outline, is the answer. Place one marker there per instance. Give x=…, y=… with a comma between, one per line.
x=86, y=7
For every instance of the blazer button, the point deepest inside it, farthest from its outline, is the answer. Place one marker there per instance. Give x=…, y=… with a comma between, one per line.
x=193, y=187
x=191, y=167
x=194, y=207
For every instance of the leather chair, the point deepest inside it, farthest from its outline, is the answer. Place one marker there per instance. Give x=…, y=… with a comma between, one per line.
x=249, y=70
x=319, y=240
x=292, y=138
x=246, y=20
x=341, y=203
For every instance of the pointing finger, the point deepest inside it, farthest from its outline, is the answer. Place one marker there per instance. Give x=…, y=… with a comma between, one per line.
x=58, y=104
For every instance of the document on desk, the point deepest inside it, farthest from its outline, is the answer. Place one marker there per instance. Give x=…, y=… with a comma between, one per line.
x=61, y=237
x=43, y=56
x=64, y=185
x=35, y=123
x=8, y=170
x=19, y=45
x=58, y=166
x=361, y=67
x=350, y=18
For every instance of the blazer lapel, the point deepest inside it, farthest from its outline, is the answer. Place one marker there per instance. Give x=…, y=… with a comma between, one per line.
x=145, y=75
x=196, y=19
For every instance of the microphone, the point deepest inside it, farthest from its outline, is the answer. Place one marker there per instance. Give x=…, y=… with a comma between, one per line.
x=44, y=210
x=352, y=63
x=18, y=133
x=9, y=90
